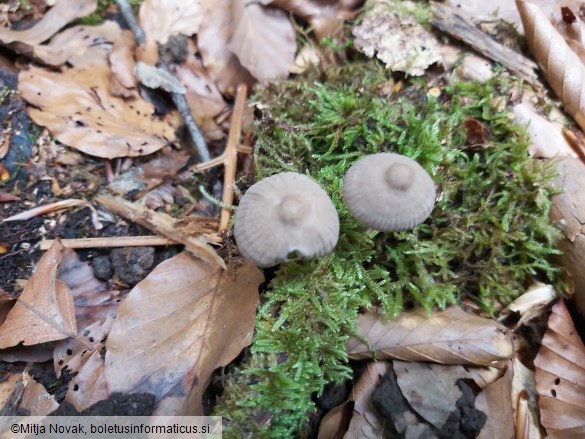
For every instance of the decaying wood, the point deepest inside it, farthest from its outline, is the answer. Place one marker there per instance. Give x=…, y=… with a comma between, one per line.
x=447, y=19
x=561, y=66
x=568, y=207
x=160, y=223
x=110, y=242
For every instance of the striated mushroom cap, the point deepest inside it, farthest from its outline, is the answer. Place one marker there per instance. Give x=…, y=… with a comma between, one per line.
x=282, y=214
x=389, y=192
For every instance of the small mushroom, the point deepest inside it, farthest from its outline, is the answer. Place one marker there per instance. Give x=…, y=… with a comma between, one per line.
x=389, y=192
x=285, y=215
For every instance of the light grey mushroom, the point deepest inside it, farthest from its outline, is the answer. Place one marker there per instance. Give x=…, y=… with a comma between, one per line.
x=284, y=215
x=389, y=192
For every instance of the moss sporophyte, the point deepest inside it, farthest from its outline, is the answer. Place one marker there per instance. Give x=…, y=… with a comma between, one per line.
x=486, y=239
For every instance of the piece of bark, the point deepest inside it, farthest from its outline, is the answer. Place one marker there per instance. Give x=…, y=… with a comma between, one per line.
x=568, y=207
x=450, y=22
x=561, y=66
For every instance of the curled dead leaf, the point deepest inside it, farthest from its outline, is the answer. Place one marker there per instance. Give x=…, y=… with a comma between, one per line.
x=447, y=337
x=559, y=376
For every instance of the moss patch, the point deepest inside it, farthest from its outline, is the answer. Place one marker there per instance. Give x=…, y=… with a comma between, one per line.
x=487, y=238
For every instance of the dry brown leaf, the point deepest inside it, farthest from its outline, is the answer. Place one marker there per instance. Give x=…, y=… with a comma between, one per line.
x=64, y=12
x=6, y=304
x=440, y=391
x=123, y=81
x=447, y=337
x=560, y=376
x=496, y=402
x=568, y=208
x=524, y=401
x=546, y=138
x=89, y=385
x=44, y=311
x=7, y=386
x=38, y=353
x=533, y=303
x=47, y=208
x=80, y=46
x=161, y=19
x=78, y=109
x=74, y=352
x=214, y=34
x=365, y=422
x=561, y=66
x=335, y=423
x=325, y=17
x=204, y=99
x=400, y=43
x=35, y=399
x=184, y=320
x=263, y=39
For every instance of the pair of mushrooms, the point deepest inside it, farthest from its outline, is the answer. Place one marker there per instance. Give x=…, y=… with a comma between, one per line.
x=290, y=215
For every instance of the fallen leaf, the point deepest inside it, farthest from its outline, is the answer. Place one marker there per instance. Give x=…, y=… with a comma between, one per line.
x=7, y=387
x=531, y=304
x=78, y=109
x=400, y=43
x=80, y=46
x=161, y=19
x=561, y=66
x=263, y=39
x=213, y=37
x=123, y=81
x=496, y=402
x=64, y=12
x=365, y=422
x=184, y=320
x=335, y=423
x=35, y=399
x=89, y=385
x=6, y=304
x=203, y=97
x=44, y=311
x=560, y=376
x=324, y=17
x=546, y=138
x=47, y=208
x=72, y=353
x=524, y=401
x=447, y=337
x=440, y=391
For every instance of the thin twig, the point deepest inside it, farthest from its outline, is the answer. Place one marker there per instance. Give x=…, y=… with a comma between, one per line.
x=110, y=242
x=231, y=156
x=128, y=14
x=196, y=134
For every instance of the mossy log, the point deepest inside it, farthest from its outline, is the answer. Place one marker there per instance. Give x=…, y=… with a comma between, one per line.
x=568, y=208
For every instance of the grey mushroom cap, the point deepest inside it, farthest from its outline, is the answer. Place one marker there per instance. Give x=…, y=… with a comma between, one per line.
x=284, y=214
x=389, y=192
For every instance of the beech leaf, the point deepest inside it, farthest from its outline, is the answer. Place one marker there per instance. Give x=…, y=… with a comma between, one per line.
x=560, y=376
x=447, y=337
x=161, y=19
x=561, y=66
x=79, y=110
x=184, y=320
x=263, y=39
x=496, y=402
x=44, y=311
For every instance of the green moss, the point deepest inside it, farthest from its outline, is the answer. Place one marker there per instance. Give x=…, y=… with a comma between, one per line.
x=486, y=239
x=99, y=15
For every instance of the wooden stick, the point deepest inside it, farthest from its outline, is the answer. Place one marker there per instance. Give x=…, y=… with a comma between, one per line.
x=161, y=223
x=231, y=156
x=447, y=19
x=112, y=241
